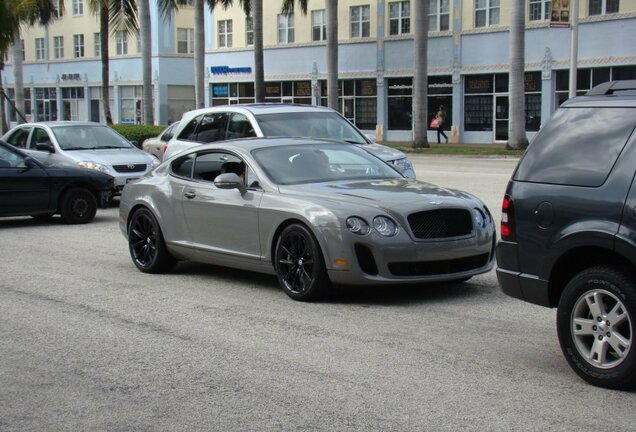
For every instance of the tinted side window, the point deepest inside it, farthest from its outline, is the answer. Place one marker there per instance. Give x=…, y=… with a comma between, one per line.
x=212, y=128
x=38, y=136
x=8, y=159
x=167, y=135
x=189, y=132
x=19, y=137
x=182, y=166
x=578, y=146
x=210, y=165
x=239, y=127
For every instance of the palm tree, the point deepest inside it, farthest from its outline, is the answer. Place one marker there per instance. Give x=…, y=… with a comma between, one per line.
x=7, y=22
x=146, y=61
x=420, y=76
x=19, y=12
x=517, y=128
x=100, y=7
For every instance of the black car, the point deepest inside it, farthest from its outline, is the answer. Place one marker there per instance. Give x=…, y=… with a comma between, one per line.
x=28, y=187
x=568, y=231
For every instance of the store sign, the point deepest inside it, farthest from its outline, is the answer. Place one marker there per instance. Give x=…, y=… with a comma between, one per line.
x=219, y=90
x=272, y=90
x=303, y=88
x=71, y=77
x=225, y=70
x=560, y=13
x=367, y=88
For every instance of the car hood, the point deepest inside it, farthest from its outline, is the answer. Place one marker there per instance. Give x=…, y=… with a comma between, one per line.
x=385, y=153
x=111, y=156
x=402, y=195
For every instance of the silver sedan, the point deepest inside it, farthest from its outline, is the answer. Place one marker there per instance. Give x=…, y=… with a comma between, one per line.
x=312, y=212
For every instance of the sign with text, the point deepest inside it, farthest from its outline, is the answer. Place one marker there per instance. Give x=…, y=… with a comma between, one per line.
x=225, y=70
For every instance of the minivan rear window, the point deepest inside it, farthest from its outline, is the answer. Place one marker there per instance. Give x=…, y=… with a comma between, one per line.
x=577, y=147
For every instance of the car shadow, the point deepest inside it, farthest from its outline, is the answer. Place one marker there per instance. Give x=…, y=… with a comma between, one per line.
x=385, y=295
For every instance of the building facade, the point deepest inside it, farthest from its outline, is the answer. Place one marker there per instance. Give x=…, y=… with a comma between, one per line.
x=467, y=62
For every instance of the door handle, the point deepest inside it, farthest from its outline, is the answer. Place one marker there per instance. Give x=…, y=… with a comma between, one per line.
x=190, y=194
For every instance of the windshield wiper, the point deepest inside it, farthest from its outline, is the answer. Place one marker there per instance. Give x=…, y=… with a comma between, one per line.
x=76, y=148
x=354, y=142
x=108, y=147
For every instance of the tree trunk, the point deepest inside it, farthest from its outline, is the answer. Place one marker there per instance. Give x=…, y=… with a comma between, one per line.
x=259, y=65
x=332, y=53
x=4, y=127
x=517, y=126
x=103, y=37
x=18, y=74
x=146, y=61
x=420, y=78
x=199, y=53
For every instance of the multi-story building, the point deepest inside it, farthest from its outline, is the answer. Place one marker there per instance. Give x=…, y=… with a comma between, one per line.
x=467, y=62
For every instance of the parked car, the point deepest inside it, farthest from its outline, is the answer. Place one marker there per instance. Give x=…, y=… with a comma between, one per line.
x=84, y=144
x=220, y=123
x=568, y=231
x=312, y=212
x=31, y=188
x=156, y=146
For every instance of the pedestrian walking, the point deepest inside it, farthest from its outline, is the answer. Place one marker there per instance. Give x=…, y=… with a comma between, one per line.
x=441, y=119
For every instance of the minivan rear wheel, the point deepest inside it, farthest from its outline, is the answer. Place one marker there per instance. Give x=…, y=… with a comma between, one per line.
x=596, y=319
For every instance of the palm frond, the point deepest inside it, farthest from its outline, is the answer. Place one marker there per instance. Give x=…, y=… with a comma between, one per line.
x=123, y=16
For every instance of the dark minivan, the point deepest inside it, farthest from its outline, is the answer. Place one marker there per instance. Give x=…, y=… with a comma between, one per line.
x=568, y=231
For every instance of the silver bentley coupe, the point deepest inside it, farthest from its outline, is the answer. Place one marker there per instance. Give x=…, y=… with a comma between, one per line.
x=312, y=212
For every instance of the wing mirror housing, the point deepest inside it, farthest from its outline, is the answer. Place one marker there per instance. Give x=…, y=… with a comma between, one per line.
x=46, y=146
x=230, y=181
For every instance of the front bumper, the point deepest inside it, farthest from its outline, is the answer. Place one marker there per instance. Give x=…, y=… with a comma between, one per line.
x=377, y=260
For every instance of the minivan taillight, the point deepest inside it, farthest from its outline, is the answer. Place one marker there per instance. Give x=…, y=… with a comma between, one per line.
x=507, y=219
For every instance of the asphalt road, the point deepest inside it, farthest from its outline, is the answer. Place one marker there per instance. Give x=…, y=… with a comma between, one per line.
x=87, y=342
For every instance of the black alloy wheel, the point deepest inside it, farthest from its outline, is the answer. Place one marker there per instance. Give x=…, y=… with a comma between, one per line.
x=78, y=206
x=146, y=244
x=596, y=322
x=299, y=264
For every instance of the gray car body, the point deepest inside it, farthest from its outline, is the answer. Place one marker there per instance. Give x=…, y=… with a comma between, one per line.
x=106, y=157
x=230, y=228
x=175, y=145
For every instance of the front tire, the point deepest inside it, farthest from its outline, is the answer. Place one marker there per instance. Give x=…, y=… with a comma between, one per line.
x=596, y=322
x=78, y=206
x=299, y=264
x=146, y=244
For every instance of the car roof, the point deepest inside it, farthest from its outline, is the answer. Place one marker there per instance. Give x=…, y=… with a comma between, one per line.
x=249, y=144
x=621, y=93
x=259, y=108
x=54, y=124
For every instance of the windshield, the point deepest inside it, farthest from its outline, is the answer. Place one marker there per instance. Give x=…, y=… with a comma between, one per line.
x=327, y=125
x=89, y=137
x=299, y=164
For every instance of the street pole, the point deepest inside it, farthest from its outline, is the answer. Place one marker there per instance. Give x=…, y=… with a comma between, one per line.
x=574, y=45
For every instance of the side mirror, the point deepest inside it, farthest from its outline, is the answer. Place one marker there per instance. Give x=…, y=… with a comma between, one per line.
x=46, y=146
x=29, y=163
x=230, y=181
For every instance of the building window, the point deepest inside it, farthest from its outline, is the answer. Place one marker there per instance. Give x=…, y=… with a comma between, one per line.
x=59, y=12
x=486, y=13
x=225, y=34
x=78, y=45
x=399, y=18
x=318, y=25
x=603, y=7
x=587, y=78
x=97, y=44
x=22, y=49
x=286, y=28
x=440, y=93
x=357, y=101
x=58, y=44
x=131, y=103
x=539, y=10
x=39, y=49
x=438, y=15
x=360, y=21
x=400, y=103
x=73, y=103
x=121, y=42
x=78, y=7
x=249, y=31
x=185, y=40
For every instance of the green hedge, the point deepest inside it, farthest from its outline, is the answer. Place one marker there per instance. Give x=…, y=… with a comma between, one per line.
x=138, y=132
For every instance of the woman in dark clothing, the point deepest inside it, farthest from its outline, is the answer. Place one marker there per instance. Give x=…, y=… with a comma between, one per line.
x=441, y=119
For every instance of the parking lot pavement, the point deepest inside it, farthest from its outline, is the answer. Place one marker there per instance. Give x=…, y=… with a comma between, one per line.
x=87, y=342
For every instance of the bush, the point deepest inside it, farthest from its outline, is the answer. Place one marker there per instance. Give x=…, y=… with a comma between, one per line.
x=138, y=132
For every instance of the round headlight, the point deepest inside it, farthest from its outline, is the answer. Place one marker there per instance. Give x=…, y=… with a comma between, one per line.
x=93, y=165
x=357, y=225
x=480, y=218
x=385, y=226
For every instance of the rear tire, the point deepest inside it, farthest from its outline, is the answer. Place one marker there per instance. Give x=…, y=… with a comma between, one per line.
x=78, y=206
x=596, y=319
x=146, y=244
